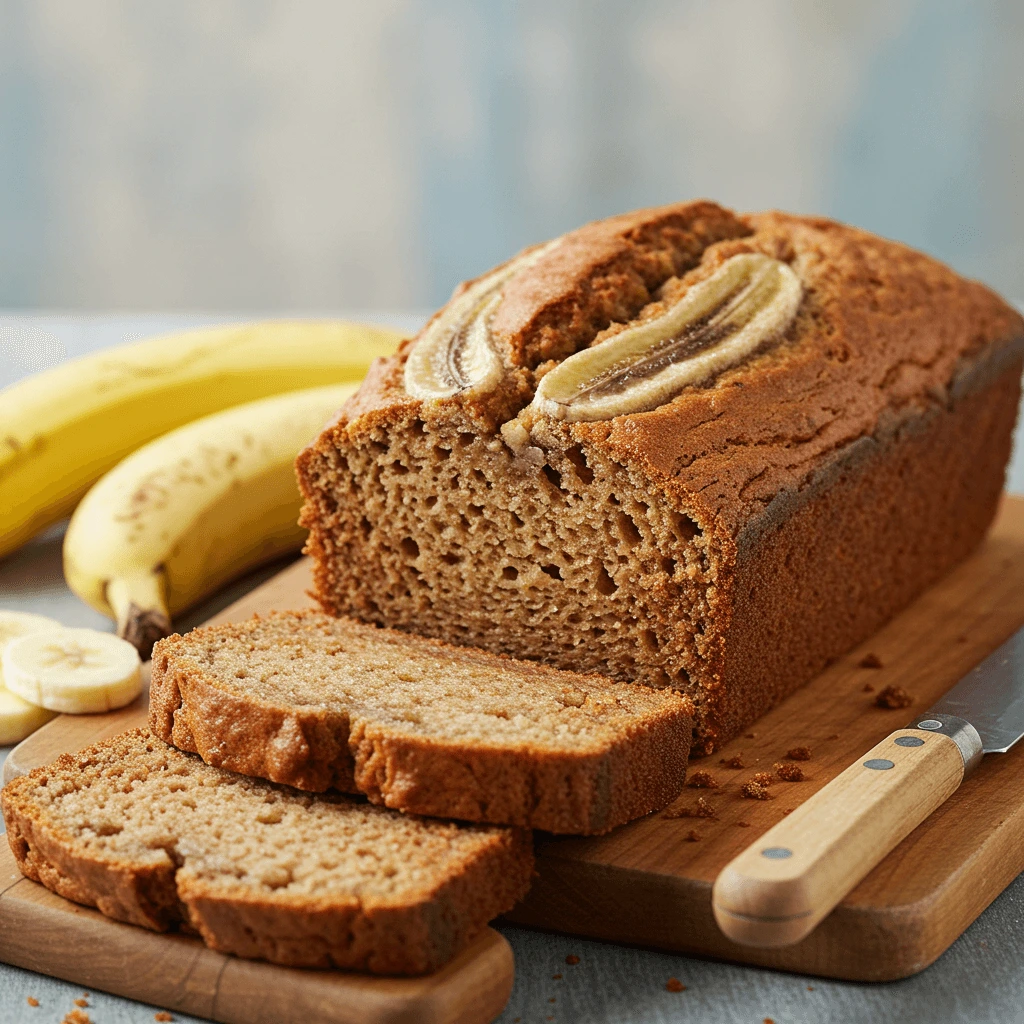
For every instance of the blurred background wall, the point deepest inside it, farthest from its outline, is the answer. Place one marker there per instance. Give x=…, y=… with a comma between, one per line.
x=302, y=155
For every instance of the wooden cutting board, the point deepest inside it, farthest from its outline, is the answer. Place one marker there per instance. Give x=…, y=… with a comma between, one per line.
x=649, y=883
x=42, y=932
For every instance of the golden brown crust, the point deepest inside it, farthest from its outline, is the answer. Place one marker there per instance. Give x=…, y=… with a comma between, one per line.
x=573, y=789
x=894, y=363
x=380, y=936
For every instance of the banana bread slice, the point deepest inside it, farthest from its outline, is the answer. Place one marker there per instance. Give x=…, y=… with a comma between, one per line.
x=157, y=838
x=681, y=447
x=417, y=725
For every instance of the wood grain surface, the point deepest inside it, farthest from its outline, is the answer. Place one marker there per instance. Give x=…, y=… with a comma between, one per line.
x=649, y=883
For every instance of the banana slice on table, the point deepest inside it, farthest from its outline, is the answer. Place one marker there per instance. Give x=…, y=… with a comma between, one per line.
x=19, y=718
x=76, y=671
x=15, y=624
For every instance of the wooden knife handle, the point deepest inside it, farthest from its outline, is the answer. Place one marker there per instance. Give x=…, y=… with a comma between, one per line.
x=778, y=890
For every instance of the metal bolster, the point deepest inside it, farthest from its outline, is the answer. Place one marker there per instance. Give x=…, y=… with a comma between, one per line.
x=960, y=731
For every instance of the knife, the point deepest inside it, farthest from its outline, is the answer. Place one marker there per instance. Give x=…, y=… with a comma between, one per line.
x=779, y=889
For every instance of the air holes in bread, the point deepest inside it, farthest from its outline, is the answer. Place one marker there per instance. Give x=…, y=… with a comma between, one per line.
x=583, y=471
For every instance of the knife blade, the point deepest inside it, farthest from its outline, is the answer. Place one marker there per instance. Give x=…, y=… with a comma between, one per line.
x=991, y=697
x=781, y=887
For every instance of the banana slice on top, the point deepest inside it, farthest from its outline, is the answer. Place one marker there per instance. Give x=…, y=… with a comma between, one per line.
x=19, y=718
x=76, y=671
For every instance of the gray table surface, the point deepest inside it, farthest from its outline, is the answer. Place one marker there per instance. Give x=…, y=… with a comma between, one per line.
x=980, y=979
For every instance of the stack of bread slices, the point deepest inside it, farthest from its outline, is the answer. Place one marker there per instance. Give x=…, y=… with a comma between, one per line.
x=318, y=792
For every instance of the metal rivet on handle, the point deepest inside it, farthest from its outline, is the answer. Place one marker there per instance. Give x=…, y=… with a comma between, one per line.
x=776, y=853
x=909, y=741
x=929, y=723
x=880, y=764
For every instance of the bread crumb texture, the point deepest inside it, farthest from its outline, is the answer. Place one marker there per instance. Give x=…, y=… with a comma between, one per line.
x=155, y=837
x=702, y=809
x=730, y=542
x=420, y=726
x=789, y=772
x=894, y=697
x=702, y=779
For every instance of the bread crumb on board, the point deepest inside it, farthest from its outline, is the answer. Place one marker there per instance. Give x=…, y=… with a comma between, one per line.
x=743, y=824
x=77, y=1017
x=703, y=780
x=736, y=761
x=755, y=791
x=763, y=778
x=556, y=977
x=163, y=1016
x=871, y=661
x=32, y=1001
x=675, y=985
x=893, y=697
x=803, y=753
x=702, y=810
x=789, y=772
x=693, y=836
x=83, y=1002
x=572, y=959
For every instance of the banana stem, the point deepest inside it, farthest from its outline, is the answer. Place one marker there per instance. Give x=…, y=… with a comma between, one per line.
x=140, y=608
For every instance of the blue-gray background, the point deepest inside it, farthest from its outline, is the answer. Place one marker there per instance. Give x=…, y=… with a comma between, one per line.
x=323, y=154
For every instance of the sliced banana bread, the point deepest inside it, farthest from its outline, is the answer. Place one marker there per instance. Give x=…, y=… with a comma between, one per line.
x=417, y=725
x=157, y=838
x=681, y=447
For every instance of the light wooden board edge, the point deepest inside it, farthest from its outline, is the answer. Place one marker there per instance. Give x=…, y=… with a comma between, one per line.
x=42, y=932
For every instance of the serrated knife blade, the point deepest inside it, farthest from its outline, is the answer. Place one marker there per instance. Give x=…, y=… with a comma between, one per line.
x=991, y=697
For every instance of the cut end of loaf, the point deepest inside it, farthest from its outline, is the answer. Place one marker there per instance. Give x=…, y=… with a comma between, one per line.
x=572, y=562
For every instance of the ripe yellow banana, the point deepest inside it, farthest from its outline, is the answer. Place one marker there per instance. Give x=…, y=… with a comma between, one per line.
x=188, y=512
x=61, y=430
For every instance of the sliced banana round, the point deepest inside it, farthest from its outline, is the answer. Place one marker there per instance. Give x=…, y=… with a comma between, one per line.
x=18, y=718
x=76, y=671
x=15, y=624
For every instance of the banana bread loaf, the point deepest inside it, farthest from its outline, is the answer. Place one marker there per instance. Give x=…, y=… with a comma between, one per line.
x=680, y=447
x=157, y=838
x=417, y=725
